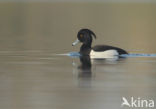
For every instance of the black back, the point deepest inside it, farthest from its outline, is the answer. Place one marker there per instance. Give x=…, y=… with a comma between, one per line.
x=101, y=48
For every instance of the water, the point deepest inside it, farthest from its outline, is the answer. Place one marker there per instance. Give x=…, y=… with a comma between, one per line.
x=39, y=79
x=39, y=70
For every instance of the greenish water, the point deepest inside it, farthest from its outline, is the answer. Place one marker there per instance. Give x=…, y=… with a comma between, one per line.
x=32, y=76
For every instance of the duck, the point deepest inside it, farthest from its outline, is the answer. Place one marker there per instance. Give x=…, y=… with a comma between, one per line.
x=85, y=36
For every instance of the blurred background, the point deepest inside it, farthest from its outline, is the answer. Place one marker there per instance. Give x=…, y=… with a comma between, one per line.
x=32, y=31
x=54, y=25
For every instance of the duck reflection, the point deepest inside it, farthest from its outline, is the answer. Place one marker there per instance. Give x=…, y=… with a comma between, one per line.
x=84, y=72
x=85, y=67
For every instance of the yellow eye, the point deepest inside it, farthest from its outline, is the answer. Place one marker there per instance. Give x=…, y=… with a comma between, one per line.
x=81, y=35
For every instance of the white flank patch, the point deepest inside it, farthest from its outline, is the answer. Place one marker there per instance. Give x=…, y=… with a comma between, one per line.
x=105, y=54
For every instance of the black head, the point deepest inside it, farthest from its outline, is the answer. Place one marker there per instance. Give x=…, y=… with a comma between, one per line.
x=85, y=36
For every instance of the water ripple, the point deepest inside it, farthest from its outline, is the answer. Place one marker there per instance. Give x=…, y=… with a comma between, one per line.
x=138, y=55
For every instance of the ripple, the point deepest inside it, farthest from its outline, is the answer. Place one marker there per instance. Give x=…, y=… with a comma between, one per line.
x=138, y=55
x=71, y=54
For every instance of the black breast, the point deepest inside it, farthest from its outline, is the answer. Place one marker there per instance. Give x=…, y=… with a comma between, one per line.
x=85, y=49
x=101, y=48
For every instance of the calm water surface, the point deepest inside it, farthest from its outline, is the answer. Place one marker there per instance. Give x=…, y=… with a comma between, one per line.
x=32, y=76
x=39, y=79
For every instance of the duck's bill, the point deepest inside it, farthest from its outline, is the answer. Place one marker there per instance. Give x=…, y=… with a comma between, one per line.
x=76, y=42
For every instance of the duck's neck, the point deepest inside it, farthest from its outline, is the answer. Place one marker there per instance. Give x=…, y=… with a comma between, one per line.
x=85, y=49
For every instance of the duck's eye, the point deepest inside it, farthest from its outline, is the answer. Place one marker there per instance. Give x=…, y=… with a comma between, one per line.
x=81, y=35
